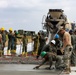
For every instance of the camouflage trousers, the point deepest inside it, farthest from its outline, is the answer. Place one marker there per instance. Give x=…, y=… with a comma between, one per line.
x=73, y=58
x=67, y=56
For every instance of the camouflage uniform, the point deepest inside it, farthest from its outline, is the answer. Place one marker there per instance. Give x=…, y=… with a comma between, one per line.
x=11, y=41
x=73, y=56
x=58, y=46
x=42, y=43
x=67, y=56
x=35, y=39
x=3, y=39
x=67, y=48
x=15, y=39
x=52, y=56
x=46, y=48
x=24, y=40
x=1, y=45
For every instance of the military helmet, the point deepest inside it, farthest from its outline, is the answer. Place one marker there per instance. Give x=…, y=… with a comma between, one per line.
x=43, y=54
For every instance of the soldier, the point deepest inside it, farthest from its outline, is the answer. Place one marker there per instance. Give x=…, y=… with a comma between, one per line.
x=58, y=44
x=15, y=40
x=67, y=49
x=25, y=41
x=50, y=46
x=3, y=39
x=35, y=39
x=50, y=56
x=1, y=51
x=42, y=42
x=11, y=40
x=73, y=56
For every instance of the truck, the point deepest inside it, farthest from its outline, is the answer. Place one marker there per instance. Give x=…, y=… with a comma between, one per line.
x=55, y=20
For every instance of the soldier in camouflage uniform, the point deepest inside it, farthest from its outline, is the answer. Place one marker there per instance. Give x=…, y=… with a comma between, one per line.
x=3, y=39
x=35, y=39
x=50, y=56
x=67, y=49
x=73, y=56
x=1, y=51
x=11, y=40
x=58, y=44
x=42, y=43
x=25, y=41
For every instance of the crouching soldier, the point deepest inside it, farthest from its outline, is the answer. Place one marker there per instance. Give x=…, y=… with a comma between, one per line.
x=50, y=57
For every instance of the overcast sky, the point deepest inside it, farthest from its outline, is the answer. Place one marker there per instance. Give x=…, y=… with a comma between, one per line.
x=27, y=14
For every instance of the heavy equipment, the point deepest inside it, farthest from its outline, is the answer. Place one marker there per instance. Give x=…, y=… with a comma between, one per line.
x=55, y=20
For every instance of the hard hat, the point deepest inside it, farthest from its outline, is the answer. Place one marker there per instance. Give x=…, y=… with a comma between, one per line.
x=56, y=36
x=43, y=54
x=10, y=29
x=53, y=41
x=3, y=28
